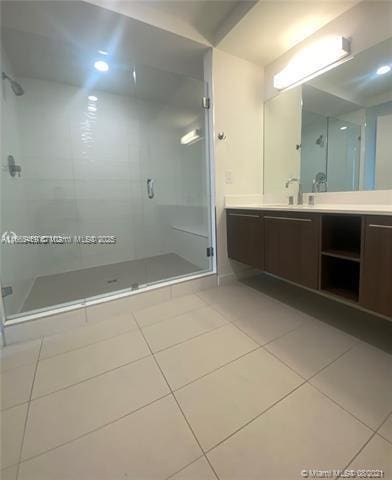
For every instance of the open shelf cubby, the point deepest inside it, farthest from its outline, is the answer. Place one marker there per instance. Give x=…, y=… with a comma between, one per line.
x=341, y=255
x=341, y=236
x=340, y=277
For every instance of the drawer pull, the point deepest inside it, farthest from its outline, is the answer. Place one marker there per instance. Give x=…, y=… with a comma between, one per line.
x=244, y=215
x=375, y=225
x=295, y=219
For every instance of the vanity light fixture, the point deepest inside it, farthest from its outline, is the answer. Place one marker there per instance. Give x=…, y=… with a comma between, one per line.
x=312, y=61
x=101, y=66
x=383, y=70
x=191, y=137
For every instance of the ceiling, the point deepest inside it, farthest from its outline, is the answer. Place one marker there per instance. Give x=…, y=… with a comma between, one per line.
x=211, y=18
x=257, y=30
x=273, y=27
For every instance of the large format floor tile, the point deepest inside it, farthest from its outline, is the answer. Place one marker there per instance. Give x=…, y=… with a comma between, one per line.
x=87, y=335
x=16, y=385
x=51, y=325
x=304, y=431
x=361, y=382
x=266, y=321
x=9, y=473
x=176, y=306
x=152, y=443
x=311, y=347
x=19, y=354
x=220, y=403
x=68, y=368
x=232, y=294
x=65, y=415
x=386, y=429
x=12, y=428
x=182, y=327
x=192, y=359
x=377, y=455
x=199, y=470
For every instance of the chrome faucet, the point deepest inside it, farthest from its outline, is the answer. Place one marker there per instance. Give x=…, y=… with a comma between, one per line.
x=300, y=196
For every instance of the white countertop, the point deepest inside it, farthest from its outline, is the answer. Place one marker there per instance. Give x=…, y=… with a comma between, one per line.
x=321, y=208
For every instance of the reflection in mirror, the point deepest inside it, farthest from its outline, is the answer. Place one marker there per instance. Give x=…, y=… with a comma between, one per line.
x=344, y=128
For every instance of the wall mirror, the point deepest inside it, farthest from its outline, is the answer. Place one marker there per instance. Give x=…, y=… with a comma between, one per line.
x=334, y=132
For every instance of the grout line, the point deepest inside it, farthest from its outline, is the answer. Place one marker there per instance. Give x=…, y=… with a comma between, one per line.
x=191, y=338
x=27, y=413
x=216, y=369
x=111, y=337
x=179, y=407
x=90, y=378
x=176, y=315
x=343, y=408
x=284, y=363
x=257, y=416
x=94, y=430
x=330, y=363
x=382, y=424
x=361, y=449
x=24, y=364
x=183, y=468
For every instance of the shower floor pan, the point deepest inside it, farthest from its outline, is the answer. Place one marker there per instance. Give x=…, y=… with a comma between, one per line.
x=66, y=287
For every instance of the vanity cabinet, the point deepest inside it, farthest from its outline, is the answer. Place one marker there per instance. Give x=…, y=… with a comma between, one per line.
x=345, y=256
x=376, y=274
x=292, y=247
x=245, y=237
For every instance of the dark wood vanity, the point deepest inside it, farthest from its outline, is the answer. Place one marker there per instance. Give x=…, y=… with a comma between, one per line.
x=347, y=256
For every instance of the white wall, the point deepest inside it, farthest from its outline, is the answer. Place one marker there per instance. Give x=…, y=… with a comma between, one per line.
x=238, y=110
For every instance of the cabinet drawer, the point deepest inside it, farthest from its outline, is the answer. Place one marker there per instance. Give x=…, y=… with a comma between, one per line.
x=292, y=247
x=376, y=275
x=245, y=241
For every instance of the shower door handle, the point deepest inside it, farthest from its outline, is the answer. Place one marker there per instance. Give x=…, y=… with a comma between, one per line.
x=150, y=188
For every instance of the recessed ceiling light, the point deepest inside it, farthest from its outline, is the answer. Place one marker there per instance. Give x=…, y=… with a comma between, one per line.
x=384, y=69
x=92, y=98
x=344, y=127
x=103, y=52
x=101, y=66
x=91, y=108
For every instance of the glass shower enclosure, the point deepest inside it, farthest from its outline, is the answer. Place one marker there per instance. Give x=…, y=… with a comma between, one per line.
x=105, y=178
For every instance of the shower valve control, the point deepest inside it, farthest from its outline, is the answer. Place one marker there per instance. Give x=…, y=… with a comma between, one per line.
x=13, y=168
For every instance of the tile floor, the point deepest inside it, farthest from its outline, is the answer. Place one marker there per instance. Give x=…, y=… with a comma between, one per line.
x=88, y=282
x=229, y=383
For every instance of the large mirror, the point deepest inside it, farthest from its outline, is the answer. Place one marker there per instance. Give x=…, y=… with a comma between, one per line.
x=334, y=132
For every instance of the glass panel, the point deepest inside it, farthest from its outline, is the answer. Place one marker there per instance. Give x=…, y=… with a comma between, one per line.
x=344, y=146
x=314, y=147
x=113, y=158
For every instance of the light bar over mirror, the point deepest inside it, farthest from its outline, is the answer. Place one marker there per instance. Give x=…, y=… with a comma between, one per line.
x=312, y=61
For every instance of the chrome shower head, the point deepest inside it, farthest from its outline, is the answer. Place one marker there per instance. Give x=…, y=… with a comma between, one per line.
x=16, y=87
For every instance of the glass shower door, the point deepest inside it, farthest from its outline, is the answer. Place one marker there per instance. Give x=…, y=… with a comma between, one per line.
x=114, y=167
x=174, y=180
